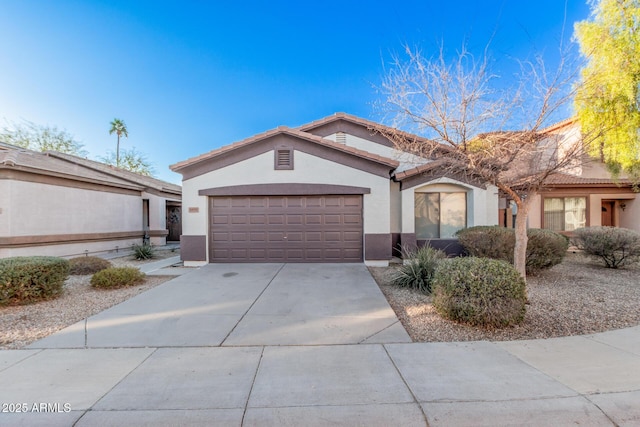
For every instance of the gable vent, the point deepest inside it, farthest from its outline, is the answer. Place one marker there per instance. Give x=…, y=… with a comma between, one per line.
x=284, y=158
x=341, y=138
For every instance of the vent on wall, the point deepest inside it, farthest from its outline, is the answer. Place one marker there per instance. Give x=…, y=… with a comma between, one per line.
x=284, y=158
x=341, y=138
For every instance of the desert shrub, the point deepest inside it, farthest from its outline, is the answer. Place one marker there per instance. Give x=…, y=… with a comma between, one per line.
x=88, y=265
x=418, y=268
x=25, y=280
x=616, y=247
x=488, y=242
x=117, y=277
x=545, y=248
x=479, y=291
x=143, y=251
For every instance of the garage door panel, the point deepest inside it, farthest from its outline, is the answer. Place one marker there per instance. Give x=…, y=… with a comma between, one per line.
x=333, y=219
x=313, y=219
x=258, y=202
x=257, y=236
x=239, y=202
x=295, y=237
x=220, y=237
x=295, y=219
x=276, y=202
x=332, y=236
x=220, y=219
x=278, y=219
x=352, y=219
x=239, y=237
x=286, y=229
x=352, y=236
x=313, y=236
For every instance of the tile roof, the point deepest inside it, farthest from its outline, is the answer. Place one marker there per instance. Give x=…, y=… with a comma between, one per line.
x=73, y=167
x=419, y=169
x=284, y=130
x=564, y=179
x=376, y=127
x=132, y=177
x=18, y=158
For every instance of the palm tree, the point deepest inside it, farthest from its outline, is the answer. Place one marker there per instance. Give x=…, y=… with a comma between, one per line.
x=119, y=128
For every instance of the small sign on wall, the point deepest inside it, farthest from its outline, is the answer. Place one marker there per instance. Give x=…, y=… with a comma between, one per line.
x=194, y=210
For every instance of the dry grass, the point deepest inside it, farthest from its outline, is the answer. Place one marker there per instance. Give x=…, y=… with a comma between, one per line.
x=573, y=298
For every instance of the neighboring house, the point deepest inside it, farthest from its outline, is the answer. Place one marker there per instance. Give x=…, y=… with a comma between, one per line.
x=582, y=196
x=63, y=205
x=329, y=191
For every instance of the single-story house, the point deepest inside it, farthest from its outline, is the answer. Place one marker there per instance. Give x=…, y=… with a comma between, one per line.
x=334, y=190
x=63, y=205
x=329, y=191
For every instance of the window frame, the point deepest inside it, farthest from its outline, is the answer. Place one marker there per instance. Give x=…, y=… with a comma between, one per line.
x=543, y=222
x=439, y=223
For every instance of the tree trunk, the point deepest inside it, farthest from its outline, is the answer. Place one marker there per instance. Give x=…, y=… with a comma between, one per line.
x=520, y=250
x=118, y=152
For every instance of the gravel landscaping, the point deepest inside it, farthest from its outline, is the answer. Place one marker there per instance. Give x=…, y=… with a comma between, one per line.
x=21, y=325
x=573, y=298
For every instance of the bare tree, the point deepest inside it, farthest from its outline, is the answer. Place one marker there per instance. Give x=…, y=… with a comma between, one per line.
x=473, y=125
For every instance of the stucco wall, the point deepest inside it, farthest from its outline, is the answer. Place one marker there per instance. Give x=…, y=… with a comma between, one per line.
x=37, y=209
x=630, y=217
x=406, y=160
x=308, y=169
x=5, y=197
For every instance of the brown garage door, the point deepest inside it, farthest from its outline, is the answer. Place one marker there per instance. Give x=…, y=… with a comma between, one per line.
x=286, y=228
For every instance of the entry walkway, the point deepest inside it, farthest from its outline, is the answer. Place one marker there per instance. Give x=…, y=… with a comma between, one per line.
x=273, y=344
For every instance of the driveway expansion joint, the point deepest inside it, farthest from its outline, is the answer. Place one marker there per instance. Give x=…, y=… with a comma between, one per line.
x=251, y=306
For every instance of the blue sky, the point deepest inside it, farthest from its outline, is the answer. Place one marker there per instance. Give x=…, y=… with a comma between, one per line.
x=188, y=77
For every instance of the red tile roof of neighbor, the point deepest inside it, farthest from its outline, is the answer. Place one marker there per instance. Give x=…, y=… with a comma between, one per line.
x=284, y=130
x=564, y=179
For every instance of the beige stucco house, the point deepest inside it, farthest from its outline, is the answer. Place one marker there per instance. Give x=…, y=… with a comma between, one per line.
x=329, y=191
x=584, y=195
x=63, y=205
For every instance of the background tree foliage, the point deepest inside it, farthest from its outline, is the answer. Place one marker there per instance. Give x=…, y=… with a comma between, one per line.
x=130, y=160
x=40, y=138
x=608, y=100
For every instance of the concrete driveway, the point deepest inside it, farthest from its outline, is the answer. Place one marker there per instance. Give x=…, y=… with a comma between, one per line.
x=245, y=305
x=255, y=345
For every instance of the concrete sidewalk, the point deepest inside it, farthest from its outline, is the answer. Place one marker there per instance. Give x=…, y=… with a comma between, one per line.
x=282, y=361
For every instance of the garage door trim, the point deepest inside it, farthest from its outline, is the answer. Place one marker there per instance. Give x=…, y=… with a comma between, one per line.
x=289, y=189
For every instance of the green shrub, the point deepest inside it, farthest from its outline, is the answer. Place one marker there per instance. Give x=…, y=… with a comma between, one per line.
x=117, y=277
x=143, y=251
x=617, y=247
x=545, y=248
x=488, y=242
x=88, y=265
x=479, y=291
x=25, y=280
x=418, y=268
